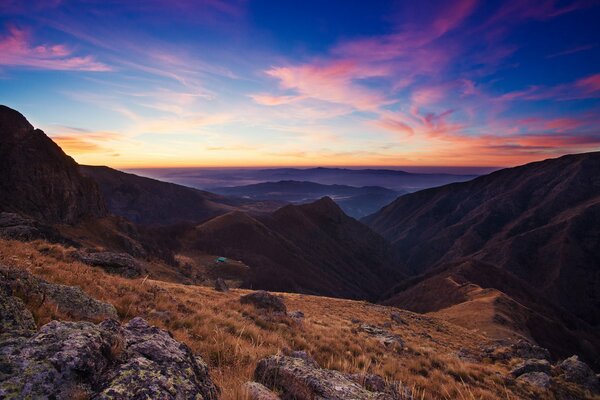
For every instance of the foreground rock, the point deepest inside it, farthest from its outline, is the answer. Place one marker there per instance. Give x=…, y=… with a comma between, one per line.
x=69, y=299
x=575, y=371
x=298, y=379
x=116, y=263
x=385, y=337
x=65, y=360
x=256, y=391
x=264, y=300
x=531, y=366
x=17, y=227
x=541, y=380
x=14, y=317
x=221, y=285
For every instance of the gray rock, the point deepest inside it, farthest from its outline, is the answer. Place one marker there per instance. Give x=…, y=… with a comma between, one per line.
x=397, y=318
x=256, y=391
x=118, y=263
x=303, y=355
x=528, y=366
x=385, y=337
x=576, y=371
x=538, y=379
x=14, y=317
x=264, y=300
x=69, y=299
x=299, y=380
x=520, y=349
x=221, y=285
x=375, y=383
x=108, y=361
x=296, y=315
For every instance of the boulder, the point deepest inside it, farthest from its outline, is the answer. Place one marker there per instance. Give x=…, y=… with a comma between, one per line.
x=296, y=315
x=397, y=318
x=256, y=391
x=118, y=263
x=299, y=380
x=104, y=361
x=540, y=380
x=221, y=285
x=303, y=355
x=264, y=300
x=17, y=227
x=385, y=337
x=14, y=317
x=528, y=366
x=69, y=299
x=576, y=371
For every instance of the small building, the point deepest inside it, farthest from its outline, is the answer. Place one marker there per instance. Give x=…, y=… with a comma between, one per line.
x=221, y=259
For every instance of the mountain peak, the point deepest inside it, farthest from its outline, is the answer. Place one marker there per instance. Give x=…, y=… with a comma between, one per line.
x=38, y=179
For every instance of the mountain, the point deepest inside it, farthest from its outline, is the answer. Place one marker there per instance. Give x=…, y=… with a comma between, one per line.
x=311, y=248
x=38, y=179
x=481, y=296
x=208, y=178
x=540, y=221
x=145, y=200
x=357, y=202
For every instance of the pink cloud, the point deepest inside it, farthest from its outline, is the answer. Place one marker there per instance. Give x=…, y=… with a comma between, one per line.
x=266, y=99
x=17, y=51
x=583, y=88
x=332, y=82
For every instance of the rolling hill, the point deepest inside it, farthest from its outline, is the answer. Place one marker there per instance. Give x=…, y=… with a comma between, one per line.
x=312, y=248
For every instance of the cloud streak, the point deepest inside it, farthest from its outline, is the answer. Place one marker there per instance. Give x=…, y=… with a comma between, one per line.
x=18, y=50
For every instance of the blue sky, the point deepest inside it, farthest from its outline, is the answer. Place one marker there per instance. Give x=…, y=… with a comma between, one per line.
x=268, y=83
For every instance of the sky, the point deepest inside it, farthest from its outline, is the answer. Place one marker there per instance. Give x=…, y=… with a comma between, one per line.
x=215, y=83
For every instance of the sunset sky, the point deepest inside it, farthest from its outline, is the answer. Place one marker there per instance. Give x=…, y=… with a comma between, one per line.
x=161, y=83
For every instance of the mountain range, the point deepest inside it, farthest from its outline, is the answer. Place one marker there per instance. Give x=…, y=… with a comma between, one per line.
x=515, y=253
x=357, y=202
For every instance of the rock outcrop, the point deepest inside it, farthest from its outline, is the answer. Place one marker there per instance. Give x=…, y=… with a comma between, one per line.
x=105, y=361
x=117, y=263
x=265, y=301
x=299, y=379
x=38, y=179
x=221, y=285
x=575, y=371
x=69, y=299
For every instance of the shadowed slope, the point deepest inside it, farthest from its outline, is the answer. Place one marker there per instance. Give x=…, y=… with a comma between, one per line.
x=38, y=179
x=313, y=248
x=540, y=221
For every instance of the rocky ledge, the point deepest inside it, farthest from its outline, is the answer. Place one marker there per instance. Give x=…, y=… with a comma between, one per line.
x=66, y=360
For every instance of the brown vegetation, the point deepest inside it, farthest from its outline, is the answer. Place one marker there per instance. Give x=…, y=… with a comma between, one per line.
x=232, y=337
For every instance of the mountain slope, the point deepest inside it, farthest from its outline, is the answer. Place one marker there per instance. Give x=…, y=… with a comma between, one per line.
x=312, y=248
x=357, y=202
x=480, y=296
x=38, y=179
x=540, y=221
x=146, y=200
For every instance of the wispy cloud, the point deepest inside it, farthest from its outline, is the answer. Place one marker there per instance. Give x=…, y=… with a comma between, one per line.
x=18, y=50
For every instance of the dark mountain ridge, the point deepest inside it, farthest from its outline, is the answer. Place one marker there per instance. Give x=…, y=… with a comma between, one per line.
x=38, y=179
x=540, y=221
x=311, y=248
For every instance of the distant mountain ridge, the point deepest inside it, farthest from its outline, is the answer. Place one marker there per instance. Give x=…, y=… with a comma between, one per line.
x=207, y=178
x=357, y=202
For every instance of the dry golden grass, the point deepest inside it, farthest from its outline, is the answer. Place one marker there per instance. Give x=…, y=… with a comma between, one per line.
x=232, y=337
